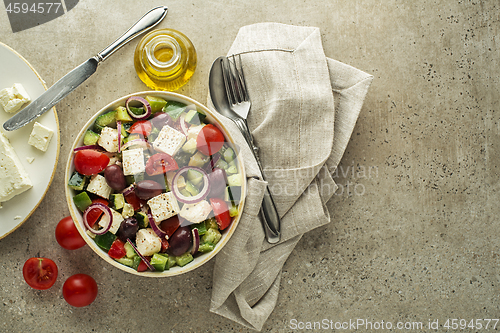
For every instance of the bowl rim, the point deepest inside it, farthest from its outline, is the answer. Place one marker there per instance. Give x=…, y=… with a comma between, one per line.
x=77, y=216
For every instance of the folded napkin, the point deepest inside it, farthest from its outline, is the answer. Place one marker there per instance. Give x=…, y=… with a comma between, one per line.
x=304, y=108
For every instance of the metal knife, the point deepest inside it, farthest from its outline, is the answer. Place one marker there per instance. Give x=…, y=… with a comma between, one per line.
x=77, y=76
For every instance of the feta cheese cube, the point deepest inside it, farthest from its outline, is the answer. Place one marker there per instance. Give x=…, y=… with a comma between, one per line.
x=99, y=186
x=197, y=212
x=147, y=242
x=169, y=140
x=40, y=136
x=14, y=179
x=109, y=139
x=163, y=206
x=12, y=99
x=133, y=161
x=115, y=224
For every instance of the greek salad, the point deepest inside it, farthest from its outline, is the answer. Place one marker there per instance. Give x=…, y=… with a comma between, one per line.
x=156, y=184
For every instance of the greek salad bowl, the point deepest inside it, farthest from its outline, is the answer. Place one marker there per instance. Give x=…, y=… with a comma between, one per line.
x=155, y=184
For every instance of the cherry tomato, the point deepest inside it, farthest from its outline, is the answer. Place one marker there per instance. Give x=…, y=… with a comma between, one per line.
x=210, y=140
x=67, y=235
x=133, y=200
x=142, y=267
x=117, y=250
x=221, y=212
x=40, y=273
x=95, y=213
x=90, y=162
x=80, y=290
x=160, y=163
x=142, y=127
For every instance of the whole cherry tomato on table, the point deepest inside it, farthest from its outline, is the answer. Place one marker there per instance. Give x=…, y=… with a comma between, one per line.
x=210, y=140
x=40, y=273
x=89, y=162
x=67, y=235
x=80, y=290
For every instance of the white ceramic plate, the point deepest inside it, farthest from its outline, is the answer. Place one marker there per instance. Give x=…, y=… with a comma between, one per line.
x=15, y=69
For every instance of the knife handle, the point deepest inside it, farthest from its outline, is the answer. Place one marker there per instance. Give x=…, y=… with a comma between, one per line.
x=147, y=22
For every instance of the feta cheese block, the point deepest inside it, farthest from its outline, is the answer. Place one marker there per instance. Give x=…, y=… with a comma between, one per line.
x=163, y=206
x=12, y=99
x=14, y=179
x=99, y=186
x=109, y=139
x=147, y=242
x=40, y=136
x=197, y=212
x=133, y=161
x=169, y=140
x=115, y=224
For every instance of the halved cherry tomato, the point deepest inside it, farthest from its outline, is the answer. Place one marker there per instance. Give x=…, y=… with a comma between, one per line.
x=117, y=250
x=80, y=290
x=221, y=212
x=210, y=140
x=95, y=213
x=142, y=267
x=170, y=225
x=133, y=200
x=40, y=273
x=143, y=127
x=67, y=235
x=160, y=163
x=90, y=162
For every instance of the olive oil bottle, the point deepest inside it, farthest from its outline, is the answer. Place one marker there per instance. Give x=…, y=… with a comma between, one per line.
x=165, y=59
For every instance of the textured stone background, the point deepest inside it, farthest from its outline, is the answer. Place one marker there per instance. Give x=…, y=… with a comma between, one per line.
x=414, y=233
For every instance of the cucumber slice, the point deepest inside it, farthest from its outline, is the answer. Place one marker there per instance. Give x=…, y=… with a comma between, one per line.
x=82, y=201
x=193, y=190
x=106, y=119
x=184, y=259
x=206, y=247
x=229, y=154
x=142, y=219
x=122, y=115
x=77, y=181
x=90, y=138
x=117, y=201
x=234, y=180
x=126, y=261
x=156, y=103
x=190, y=146
x=159, y=261
x=195, y=117
x=129, y=251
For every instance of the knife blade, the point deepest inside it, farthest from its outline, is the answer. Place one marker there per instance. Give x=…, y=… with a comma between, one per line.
x=77, y=76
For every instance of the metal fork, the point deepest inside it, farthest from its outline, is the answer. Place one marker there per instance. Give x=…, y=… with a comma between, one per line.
x=240, y=104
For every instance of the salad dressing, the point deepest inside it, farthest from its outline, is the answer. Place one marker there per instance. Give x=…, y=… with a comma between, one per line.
x=165, y=59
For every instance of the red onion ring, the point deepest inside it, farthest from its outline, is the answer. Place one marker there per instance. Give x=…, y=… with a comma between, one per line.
x=144, y=102
x=197, y=198
x=140, y=255
x=128, y=190
x=96, y=147
x=160, y=233
x=107, y=212
x=119, y=128
x=140, y=142
x=196, y=241
x=183, y=124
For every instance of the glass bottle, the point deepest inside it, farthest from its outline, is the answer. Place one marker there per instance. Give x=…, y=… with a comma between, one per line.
x=165, y=59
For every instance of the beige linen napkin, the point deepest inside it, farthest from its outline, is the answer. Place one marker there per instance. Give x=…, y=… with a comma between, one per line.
x=304, y=108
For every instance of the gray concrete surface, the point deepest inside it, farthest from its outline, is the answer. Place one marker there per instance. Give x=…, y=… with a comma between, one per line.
x=414, y=232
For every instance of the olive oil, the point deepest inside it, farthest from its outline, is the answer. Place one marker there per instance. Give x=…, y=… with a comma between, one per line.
x=165, y=59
